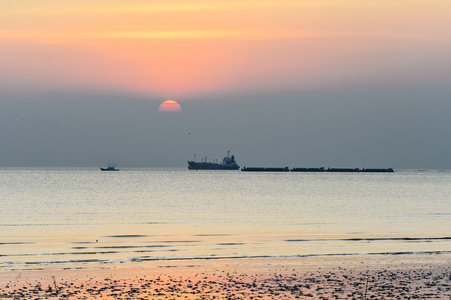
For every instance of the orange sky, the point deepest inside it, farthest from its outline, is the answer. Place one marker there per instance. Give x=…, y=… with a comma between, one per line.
x=174, y=48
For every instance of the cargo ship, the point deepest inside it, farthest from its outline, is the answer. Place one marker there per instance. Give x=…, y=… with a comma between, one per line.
x=388, y=170
x=322, y=169
x=343, y=170
x=258, y=169
x=228, y=163
x=308, y=169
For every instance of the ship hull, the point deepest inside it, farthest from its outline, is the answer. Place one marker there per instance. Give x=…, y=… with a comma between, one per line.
x=329, y=170
x=109, y=169
x=308, y=170
x=210, y=166
x=258, y=169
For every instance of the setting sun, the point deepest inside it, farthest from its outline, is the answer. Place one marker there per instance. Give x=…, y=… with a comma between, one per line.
x=170, y=106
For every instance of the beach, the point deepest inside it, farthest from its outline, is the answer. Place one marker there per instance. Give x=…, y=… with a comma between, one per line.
x=176, y=234
x=302, y=278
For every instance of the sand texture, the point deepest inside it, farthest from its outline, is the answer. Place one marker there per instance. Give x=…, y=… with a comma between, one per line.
x=235, y=282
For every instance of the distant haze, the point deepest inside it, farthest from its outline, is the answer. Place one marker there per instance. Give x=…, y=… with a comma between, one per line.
x=278, y=83
x=391, y=128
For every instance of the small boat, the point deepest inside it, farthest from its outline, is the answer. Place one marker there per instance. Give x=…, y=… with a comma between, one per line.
x=110, y=168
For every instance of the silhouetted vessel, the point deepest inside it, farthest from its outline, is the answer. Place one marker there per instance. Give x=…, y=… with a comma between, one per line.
x=228, y=163
x=343, y=170
x=110, y=168
x=388, y=170
x=308, y=170
x=258, y=169
x=318, y=170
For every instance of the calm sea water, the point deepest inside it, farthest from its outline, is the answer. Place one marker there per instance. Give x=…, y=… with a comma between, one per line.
x=84, y=218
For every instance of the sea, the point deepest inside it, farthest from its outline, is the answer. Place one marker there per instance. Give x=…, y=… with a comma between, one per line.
x=65, y=218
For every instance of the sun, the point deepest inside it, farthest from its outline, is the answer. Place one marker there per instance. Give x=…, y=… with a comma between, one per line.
x=170, y=106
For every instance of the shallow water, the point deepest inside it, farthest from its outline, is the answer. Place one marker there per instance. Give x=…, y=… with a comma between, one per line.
x=72, y=218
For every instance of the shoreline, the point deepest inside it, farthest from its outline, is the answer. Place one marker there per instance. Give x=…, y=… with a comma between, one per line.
x=407, y=277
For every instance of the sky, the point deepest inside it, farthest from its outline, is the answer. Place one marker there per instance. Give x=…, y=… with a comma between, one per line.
x=339, y=83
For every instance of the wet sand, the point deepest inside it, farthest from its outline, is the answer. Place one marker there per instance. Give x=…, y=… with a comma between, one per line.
x=300, y=278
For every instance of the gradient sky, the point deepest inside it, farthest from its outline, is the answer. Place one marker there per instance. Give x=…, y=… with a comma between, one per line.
x=299, y=83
